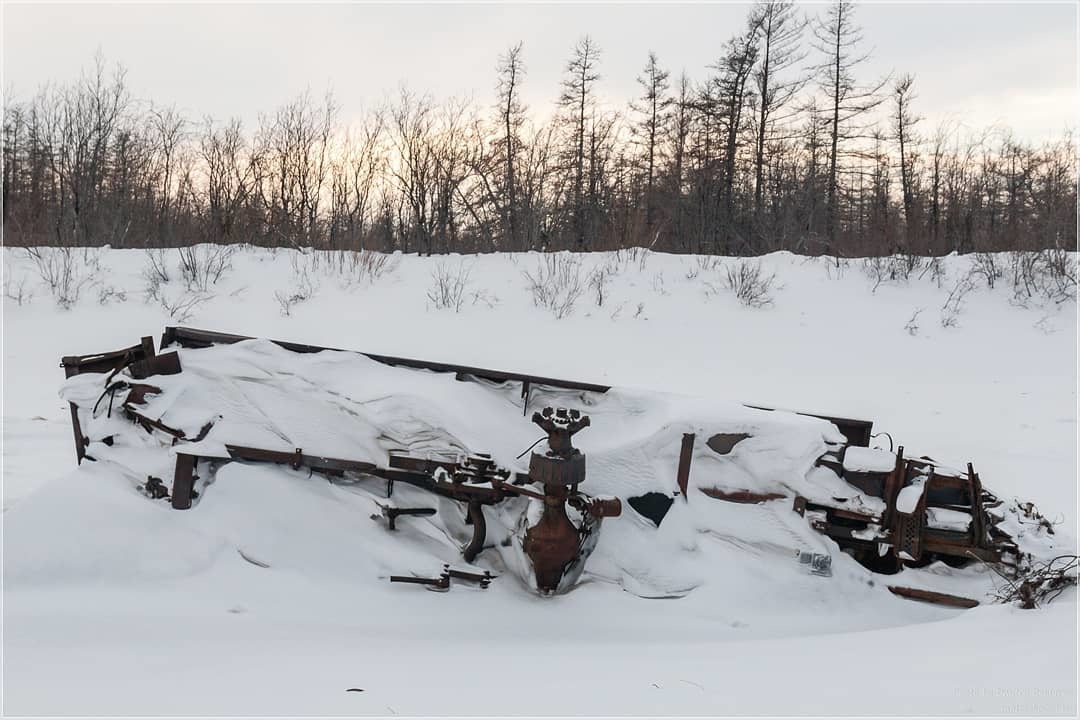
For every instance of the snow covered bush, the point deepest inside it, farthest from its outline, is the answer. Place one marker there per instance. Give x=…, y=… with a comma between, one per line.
x=352, y=266
x=912, y=325
x=1042, y=276
x=157, y=266
x=16, y=291
x=182, y=306
x=835, y=267
x=304, y=289
x=449, y=286
x=623, y=258
x=988, y=267
x=370, y=265
x=66, y=272
x=201, y=266
x=752, y=286
x=702, y=263
x=954, y=303
x=897, y=268
x=557, y=283
x=1039, y=582
x=110, y=293
x=598, y=281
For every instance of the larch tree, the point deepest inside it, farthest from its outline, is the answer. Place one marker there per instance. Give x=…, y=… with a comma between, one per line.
x=838, y=38
x=511, y=72
x=577, y=101
x=780, y=29
x=652, y=110
x=904, y=122
x=732, y=96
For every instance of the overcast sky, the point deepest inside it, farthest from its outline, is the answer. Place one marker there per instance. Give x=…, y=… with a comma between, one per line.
x=1014, y=64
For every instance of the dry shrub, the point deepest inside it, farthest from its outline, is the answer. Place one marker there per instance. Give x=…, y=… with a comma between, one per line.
x=557, y=283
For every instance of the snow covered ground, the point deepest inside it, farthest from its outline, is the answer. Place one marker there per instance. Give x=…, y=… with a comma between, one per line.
x=117, y=606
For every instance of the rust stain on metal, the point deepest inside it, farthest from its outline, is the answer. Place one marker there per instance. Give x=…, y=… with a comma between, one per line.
x=741, y=496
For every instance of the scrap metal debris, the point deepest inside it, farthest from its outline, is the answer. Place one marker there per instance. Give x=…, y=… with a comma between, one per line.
x=929, y=511
x=817, y=563
x=889, y=510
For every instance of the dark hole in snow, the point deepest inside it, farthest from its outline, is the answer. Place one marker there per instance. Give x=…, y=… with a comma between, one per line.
x=723, y=443
x=652, y=505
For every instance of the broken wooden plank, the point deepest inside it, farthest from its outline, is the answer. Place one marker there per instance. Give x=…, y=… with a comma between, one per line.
x=932, y=597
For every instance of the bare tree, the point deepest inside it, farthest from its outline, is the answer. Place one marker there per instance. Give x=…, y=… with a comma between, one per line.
x=837, y=39
x=733, y=163
x=904, y=122
x=779, y=29
x=679, y=134
x=294, y=148
x=577, y=101
x=653, y=109
x=734, y=70
x=169, y=128
x=511, y=71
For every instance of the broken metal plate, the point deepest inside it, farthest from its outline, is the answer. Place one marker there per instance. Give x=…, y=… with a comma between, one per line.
x=816, y=563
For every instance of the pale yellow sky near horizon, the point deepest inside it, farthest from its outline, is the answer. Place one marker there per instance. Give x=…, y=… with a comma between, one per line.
x=979, y=64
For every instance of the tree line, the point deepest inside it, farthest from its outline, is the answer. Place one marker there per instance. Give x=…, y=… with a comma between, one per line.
x=781, y=145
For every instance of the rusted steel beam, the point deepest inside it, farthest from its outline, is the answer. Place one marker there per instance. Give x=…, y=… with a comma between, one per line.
x=744, y=497
x=847, y=534
x=102, y=362
x=183, y=489
x=455, y=491
x=137, y=393
x=423, y=465
x=167, y=364
x=837, y=511
x=393, y=513
x=686, y=454
x=982, y=538
x=440, y=583
x=518, y=490
x=298, y=458
x=484, y=578
x=479, y=525
x=943, y=546
x=852, y=515
x=948, y=482
x=933, y=597
x=151, y=424
x=99, y=363
x=81, y=440
x=893, y=482
x=856, y=431
x=190, y=337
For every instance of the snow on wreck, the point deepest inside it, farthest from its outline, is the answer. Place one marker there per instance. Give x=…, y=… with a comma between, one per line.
x=474, y=474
